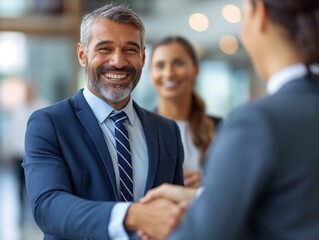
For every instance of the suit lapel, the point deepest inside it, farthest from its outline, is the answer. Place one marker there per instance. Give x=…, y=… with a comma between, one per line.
x=90, y=123
x=150, y=133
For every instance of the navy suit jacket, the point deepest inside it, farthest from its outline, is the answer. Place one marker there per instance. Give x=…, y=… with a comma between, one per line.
x=262, y=172
x=69, y=172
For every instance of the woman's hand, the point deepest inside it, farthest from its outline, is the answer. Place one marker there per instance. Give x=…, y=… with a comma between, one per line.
x=192, y=179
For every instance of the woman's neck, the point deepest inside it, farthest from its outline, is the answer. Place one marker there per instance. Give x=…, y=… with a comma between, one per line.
x=176, y=109
x=275, y=42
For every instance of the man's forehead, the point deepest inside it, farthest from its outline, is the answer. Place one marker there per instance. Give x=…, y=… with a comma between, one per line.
x=112, y=33
x=102, y=23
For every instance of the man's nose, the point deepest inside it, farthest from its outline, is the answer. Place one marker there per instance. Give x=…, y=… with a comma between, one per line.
x=118, y=60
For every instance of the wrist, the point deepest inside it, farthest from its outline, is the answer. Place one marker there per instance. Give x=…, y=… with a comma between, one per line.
x=133, y=217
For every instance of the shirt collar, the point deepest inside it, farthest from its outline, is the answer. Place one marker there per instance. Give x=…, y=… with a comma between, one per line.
x=102, y=110
x=284, y=76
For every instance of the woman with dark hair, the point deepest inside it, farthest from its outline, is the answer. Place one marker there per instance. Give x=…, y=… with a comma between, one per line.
x=174, y=68
x=262, y=173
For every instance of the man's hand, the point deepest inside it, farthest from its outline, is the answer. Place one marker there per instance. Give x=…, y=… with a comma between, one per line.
x=156, y=219
x=192, y=179
x=177, y=194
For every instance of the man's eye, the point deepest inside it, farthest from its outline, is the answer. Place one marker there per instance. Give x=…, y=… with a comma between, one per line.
x=104, y=50
x=131, y=50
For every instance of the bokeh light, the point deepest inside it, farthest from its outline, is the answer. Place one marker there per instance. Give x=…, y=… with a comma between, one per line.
x=231, y=13
x=198, y=22
x=228, y=44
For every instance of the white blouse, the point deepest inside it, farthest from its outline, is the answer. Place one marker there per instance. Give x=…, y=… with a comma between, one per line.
x=191, y=152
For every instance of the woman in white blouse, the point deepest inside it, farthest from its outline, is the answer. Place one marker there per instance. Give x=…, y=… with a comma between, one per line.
x=174, y=68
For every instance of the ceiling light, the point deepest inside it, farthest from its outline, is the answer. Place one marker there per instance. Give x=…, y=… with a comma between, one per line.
x=198, y=22
x=228, y=44
x=231, y=13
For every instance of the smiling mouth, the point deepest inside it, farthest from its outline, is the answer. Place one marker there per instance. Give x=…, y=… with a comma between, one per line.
x=115, y=77
x=170, y=84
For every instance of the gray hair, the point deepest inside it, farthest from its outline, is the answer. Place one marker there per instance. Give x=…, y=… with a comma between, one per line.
x=115, y=13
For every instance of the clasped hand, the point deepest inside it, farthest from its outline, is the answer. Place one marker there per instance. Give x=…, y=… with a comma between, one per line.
x=167, y=205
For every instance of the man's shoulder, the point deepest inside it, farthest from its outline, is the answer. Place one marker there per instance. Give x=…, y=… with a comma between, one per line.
x=58, y=106
x=60, y=109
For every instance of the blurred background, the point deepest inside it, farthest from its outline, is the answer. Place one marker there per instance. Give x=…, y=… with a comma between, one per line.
x=38, y=66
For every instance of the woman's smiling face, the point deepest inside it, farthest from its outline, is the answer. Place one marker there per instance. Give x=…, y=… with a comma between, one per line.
x=172, y=70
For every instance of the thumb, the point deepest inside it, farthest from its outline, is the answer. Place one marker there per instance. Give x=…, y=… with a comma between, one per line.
x=183, y=205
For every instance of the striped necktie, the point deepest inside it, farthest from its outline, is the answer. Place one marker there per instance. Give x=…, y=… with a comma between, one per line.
x=123, y=156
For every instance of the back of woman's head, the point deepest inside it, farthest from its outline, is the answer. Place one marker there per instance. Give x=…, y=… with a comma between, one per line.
x=300, y=18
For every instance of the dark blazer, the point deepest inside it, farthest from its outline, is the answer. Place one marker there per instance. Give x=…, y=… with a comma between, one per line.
x=262, y=172
x=69, y=173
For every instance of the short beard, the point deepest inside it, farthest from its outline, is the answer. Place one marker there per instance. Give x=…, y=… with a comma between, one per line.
x=117, y=94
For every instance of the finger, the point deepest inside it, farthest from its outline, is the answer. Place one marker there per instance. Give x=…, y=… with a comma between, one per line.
x=143, y=236
x=161, y=191
x=183, y=205
x=187, y=174
x=194, y=180
x=188, y=182
x=147, y=198
x=194, y=184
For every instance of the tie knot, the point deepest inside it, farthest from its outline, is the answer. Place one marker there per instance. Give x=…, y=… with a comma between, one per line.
x=118, y=117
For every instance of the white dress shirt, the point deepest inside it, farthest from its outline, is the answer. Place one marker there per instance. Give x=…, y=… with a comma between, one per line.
x=139, y=155
x=191, y=152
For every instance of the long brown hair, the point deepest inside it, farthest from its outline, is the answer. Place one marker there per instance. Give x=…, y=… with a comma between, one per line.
x=202, y=128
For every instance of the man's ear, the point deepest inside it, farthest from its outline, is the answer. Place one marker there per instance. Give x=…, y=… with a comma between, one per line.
x=81, y=55
x=143, y=56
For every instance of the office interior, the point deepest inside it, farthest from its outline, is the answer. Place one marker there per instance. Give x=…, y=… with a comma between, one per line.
x=38, y=44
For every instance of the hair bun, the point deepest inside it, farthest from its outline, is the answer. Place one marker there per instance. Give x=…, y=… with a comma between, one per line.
x=306, y=37
x=293, y=7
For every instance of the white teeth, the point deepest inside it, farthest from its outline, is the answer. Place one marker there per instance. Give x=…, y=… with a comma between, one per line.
x=170, y=84
x=115, y=76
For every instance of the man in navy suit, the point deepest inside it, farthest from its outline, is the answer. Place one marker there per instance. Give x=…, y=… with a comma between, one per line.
x=72, y=175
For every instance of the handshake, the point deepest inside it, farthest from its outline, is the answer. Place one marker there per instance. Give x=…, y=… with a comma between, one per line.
x=159, y=212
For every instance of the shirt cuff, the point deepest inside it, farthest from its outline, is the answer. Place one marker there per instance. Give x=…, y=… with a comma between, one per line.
x=199, y=191
x=116, y=227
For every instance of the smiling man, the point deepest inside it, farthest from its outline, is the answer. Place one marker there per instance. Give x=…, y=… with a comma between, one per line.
x=91, y=157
